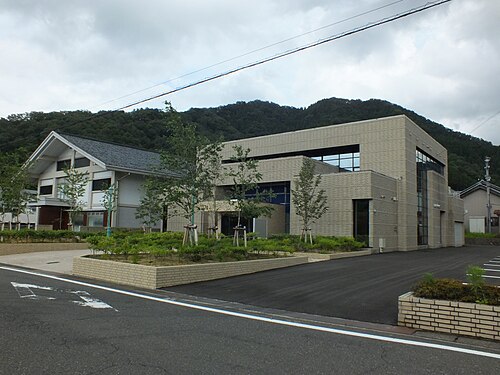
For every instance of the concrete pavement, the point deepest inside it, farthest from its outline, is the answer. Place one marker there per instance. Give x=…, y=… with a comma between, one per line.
x=52, y=261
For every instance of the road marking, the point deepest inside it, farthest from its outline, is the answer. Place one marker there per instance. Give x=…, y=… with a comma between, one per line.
x=492, y=277
x=26, y=291
x=264, y=319
x=487, y=269
x=90, y=301
x=491, y=265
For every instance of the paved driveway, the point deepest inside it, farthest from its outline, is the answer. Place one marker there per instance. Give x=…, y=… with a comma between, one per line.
x=364, y=288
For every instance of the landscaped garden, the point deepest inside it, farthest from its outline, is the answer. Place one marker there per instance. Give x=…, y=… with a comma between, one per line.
x=161, y=249
x=474, y=291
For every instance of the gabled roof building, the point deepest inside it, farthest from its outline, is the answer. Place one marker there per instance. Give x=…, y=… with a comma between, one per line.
x=475, y=204
x=106, y=163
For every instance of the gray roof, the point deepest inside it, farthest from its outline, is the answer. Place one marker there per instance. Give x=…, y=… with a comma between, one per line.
x=117, y=157
x=480, y=185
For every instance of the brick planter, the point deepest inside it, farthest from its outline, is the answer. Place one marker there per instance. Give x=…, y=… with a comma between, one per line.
x=469, y=319
x=151, y=277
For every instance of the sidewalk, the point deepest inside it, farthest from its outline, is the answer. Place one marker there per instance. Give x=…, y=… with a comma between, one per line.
x=52, y=261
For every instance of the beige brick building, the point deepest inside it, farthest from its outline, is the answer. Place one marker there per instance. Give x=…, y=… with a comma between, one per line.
x=386, y=182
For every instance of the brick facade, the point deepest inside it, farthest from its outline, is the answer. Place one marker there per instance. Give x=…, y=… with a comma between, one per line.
x=461, y=318
x=158, y=277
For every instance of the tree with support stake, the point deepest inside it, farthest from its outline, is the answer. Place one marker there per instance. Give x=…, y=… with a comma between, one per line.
x=109, y=203
x=188, y=158
x=309, y=200
x=245, y=194
x=72, y=191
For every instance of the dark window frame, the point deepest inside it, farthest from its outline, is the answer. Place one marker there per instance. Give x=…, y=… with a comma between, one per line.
x=101, y=184
x=81, y=162
x=46, y=190
x=62, y=164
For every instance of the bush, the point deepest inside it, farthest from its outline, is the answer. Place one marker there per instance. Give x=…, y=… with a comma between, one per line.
x=455, y=290
x=30, y=235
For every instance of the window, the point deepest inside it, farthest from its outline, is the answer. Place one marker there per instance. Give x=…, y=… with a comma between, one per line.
x=46, y=190
x=82, y=162
x=60, y=182
x=95, y=219
x=427, y=162
x=102, y=184
x=63, y=164
x=347, y=162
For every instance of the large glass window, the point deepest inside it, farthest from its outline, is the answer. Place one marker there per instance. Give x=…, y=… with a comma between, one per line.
x=280, y=195
x=95, y=219
x=427, y=162
x=346, y=162
x=424, y=164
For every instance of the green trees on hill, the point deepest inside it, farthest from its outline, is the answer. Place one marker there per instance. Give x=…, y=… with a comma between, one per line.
x=144, y=128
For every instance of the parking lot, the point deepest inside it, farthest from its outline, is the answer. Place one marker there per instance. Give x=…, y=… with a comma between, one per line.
x=492, y=271
x=363, y=289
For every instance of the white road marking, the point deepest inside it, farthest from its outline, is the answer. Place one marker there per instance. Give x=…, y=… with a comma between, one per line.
x=491, y=265
x=487, y=269
x=492, y=277
x=90, y=301
x=26, y=290
x=264, y=319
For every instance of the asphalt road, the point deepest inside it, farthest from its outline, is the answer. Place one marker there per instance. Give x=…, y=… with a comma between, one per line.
x=363, y=288
x=51, y=326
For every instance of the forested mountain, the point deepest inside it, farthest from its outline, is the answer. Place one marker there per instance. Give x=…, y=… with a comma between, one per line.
x=146, y=128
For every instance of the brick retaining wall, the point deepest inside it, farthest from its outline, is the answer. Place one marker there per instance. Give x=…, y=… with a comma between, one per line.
x=470, y=319
x=158, y=277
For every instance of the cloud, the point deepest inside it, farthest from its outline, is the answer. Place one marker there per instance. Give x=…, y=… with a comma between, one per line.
x=441, y=63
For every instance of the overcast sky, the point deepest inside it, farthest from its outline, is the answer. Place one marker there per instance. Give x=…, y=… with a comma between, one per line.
x=94, y=54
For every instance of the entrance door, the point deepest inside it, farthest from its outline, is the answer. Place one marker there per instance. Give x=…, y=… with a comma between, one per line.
x=361, y=216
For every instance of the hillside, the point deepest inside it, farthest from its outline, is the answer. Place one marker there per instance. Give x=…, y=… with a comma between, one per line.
x=145, y=128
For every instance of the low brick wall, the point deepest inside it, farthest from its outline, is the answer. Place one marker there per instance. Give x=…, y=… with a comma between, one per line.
x=158, y=277
x=461, y=318
x=482, y=241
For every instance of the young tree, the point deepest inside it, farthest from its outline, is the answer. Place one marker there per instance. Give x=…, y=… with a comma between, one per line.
x=309, y=200
x=13, y=183
x=191, y=157
x=72, y=191
x=152, y=207
x=109, y=202
x=245, y=194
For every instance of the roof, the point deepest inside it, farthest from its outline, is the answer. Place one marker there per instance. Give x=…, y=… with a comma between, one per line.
x=108, y=155
x=480, y=185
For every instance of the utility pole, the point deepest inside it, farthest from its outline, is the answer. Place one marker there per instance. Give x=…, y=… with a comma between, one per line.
x=487, y=177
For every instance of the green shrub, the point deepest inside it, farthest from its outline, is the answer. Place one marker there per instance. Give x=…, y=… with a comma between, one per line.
x=455, y=290
x=33, y=236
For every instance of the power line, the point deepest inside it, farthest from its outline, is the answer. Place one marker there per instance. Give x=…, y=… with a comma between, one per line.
x=292, y=51
x=484, y=122
x=252, y=52
x=353, y=31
